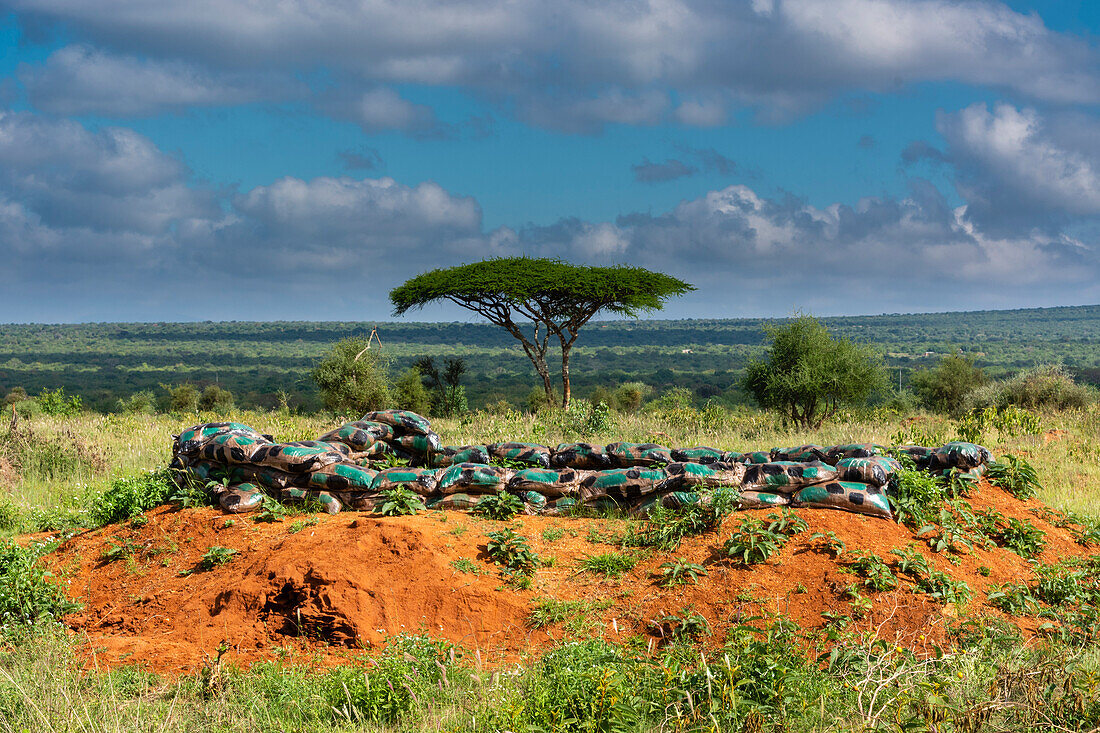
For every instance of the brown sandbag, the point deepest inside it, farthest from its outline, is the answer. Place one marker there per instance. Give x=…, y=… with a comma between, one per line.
x=242, y=499
x=786, y=476
x=761, y=500
x=852, y=450
x=582, y=456
x=449, y=455
x=877, y=470
x=850, y=496
x=342, y=477
x=269, y=478
x=455, y=501
x=189, y=441
x=404, y=422
x=699, y=454
x=629, y=455
x=800, y=454
x=548, y=482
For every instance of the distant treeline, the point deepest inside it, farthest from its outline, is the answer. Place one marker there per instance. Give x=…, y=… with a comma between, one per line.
x=261, y=361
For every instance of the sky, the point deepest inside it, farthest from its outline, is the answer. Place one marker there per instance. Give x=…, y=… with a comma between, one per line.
x=235, y=160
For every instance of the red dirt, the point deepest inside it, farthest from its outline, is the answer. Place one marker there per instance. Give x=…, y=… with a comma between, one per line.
x=352, y=579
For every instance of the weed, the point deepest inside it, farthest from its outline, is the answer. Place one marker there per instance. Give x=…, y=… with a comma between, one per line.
x=786, y=523
x=464, y=565
x=1022, y=537
x=301, y=524
x=680, y=571
x=399, y=501
x=577, y=615
x=611, y=564
x=216, y=556
x=876, y=574
x=911, y=562
x=688, y=625
x=511, y=550
x=830, y=543
x=667, y=528
x=1014, y=475
x=28, y=592
x=1015, y=599
x=272, y=512
x=553, y=534
x=118, y=550
x=916, y=496
x=498, y=506
x=940, y=586
x=753, y=542
x=131, y=495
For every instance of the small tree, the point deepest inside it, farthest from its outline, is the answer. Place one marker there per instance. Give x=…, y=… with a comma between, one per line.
x=216, y=399
x=808, y=375
x=557, y=298
x=448, y=394
x=352, y=378
x=182, y=398
x=944, y=386
x=409, y=392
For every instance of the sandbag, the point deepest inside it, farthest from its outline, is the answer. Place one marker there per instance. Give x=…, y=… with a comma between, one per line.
x=547, y=481
x=231, y=448
x=756, y=456
x=697, y=475
x=583, y=456
x=342, y=448
x=207, y=471
x=732, y=456
x=448, y=455
x=836, y=453
x=455, y=501
x=877, y=470
x=847, y=495
x=242, y=498
x=960, y=455
x=799, y=454
x=560, y=507
x=473, y=478
x=359, y=435
x=328, y=502
x=269, y=478
x=418, y=480
x=628, y=455
x=343, y=477
x=699, y=454
x=300, y=457
x=419, y=445
x=676, y=500
x=363, y=501
x=404, y=422
x=786, y=476
x=533, y=502
x=761, y=500
x=192, y=439
x=624, y=484
x=530, y=454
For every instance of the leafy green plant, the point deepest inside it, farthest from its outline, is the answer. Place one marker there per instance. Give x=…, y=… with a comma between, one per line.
x=911, y=562
x=666, y=528
x=118, y=549
x=876, y=574
x=465, y=565
x=498, y=506
x=272, y=512
x=1022, y=537
x=1014, y=475
x=131, y=495
x=301, y=524
x=786, y=523
x=610, y=564
x=957, y=482
x=1015, y=599
x=687, y=625
x=830, y=543
x=940, y=586
x=28, y=592
x=916, y=497
x=511, y=550
x=680, y=571
x=399, y=501
x=753, y=542
x=216, y=556
x=553, y=534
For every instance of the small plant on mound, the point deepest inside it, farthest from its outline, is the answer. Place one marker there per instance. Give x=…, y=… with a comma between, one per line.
x=959, y=483
x=498, y=506
x=786, y=523
x=1014, y=475
x=680, y=571
x=1022, y=537
x=1014, y=599
x=916, y=498
x=273, y=512
x=118, y=549
x=830, y=543
x=131, y=495
x=216, y=556
x=753, y=542
x=876, y=574
x=667, y=528
x=610, y=564
x=399, y=502
x=511, y=550
x=686, y=626
x=940, y=586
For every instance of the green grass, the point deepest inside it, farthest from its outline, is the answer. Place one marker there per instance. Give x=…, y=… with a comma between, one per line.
x=610, y=564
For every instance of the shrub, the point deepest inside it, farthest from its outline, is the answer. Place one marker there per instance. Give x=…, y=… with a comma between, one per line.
x=609, y=563
x=629, y=397
x=511, y=550
x=1048, y=386
x=944, y=386
x=1014, y=475
x=352, y=378
x=58, y=404
x=667, y=528
x=399, y=502
x=216, y=399
x=680, y=571
x=183, y=398
x=752, y=542
x=876, y=574
x=216, y=556
x=409, y=392
x=28, y=592
x=916, y=497
x=498, y=506
x=131, y=495
x=139, y=403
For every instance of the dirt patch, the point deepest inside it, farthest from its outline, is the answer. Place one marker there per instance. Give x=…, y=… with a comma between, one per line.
x=350, y=580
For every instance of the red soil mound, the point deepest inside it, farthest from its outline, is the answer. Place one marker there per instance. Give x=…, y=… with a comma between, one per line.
x=352, y=579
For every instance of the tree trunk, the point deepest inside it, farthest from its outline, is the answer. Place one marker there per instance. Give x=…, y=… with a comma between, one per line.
x=565, y=387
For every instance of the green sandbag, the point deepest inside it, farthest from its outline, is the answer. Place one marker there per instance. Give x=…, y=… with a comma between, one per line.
x=418, y=480
x=328, y=502
x=533, y=502
x=732, y=456
x=472, y=478
x=267, y=477
x=847, y=495
x=679, y=499
x=455, y=501
x=299, y=457
x=192, y=439
x=623, y=484
x=530, y=454
x=877, y=470
x=404, y=422
x=583, y=456
x=920, y=454
x=242, y=499
x=761, y=500
x=786, y=476
x=799, y=454
x=629, y=455
x=343, y=477
x=960, y=455
x=359, y=435
x=699, y=454
x=560, y=507
x=852, y=450
x=363, y=501
x=449, y=455
x=548, y=481
x=230, y=448
x=418, y=445
x=756, y=456
x=206, y=471
x=696, y=475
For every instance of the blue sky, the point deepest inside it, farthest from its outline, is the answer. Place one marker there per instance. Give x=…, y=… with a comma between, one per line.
x=219, y=160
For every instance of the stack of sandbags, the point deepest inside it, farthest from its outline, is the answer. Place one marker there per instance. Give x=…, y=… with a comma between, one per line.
x=383, y=434
x=959, y=455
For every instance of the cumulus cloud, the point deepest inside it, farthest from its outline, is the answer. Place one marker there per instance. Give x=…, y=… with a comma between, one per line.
x=576, y=65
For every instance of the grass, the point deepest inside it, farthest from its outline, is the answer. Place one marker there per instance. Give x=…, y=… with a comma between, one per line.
x=610, y=564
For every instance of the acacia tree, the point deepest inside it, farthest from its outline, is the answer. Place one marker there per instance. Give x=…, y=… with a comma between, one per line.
x=555, y=297
x=808, y=375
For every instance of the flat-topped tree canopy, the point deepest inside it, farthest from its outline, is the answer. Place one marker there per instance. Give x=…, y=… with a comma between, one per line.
x=556, y=297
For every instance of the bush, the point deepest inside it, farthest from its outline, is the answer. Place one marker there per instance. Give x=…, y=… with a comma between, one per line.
x=944, y=386
x=1049, y=386
x=409, y=392
x=399, y=502
x=139, y=403
x=130, y=496
x=58, y=404
x=216, y=399
x=498, y=506
x=352, y=378
x=629, y=397
x=183, y=398
x=28, y=592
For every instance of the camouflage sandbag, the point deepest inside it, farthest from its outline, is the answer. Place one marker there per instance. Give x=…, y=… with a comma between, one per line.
x=920, y=454
x=761, y=500
x=533, y=502
x=877, y=470
x=206, y=471
x=455, y=501
x=847, y=495
x=359, y=435
x=343, y=477
x=300, y=457
x=560, y=507
x=342, y=448
x=629, y=455
x=242, y=499
x=732, y=456
x=799, y=454
x=269, y=478
x=786, y=476
x=418, y=445
x=836, y=453
x=583, y=456
x=473, y=478
x=530, y=454
x=697, y=475
x=403, y=422
x=418, y=480
x=363, y=501
x=192, y=439
x=547, y=481
x=699, y=454
x=380, y=451
x=676, y=500
x=328, y=502
x=449, y=455
x=960, y=455
x=756, y=456
x=230, y=448
x=623, y=484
